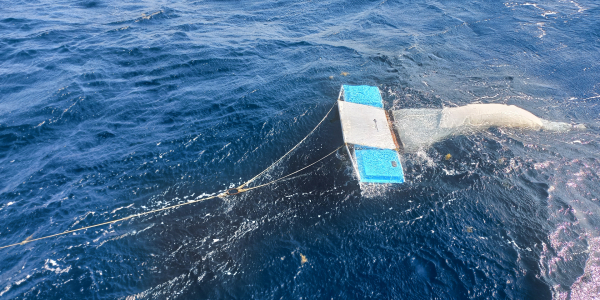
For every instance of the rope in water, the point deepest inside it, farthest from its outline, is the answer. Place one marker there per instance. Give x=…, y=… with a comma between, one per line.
x=286, y=154
x=295, y=172
x=238, y=191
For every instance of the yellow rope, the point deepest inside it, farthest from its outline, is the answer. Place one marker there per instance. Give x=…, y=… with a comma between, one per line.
x=286, y=154
x=240, y=190
x=288, y=175
x=109, y=222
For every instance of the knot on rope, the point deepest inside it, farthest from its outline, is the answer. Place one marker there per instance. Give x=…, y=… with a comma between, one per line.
x=234, y=191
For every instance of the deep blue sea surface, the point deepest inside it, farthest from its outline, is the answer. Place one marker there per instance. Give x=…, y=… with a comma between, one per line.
x=113, y=108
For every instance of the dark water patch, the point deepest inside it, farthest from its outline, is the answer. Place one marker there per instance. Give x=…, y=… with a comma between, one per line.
x=90, y=4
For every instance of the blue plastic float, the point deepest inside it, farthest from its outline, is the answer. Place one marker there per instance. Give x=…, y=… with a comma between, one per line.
x=368, y=135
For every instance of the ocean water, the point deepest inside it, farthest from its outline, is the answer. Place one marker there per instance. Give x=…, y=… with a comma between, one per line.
x=113, y=108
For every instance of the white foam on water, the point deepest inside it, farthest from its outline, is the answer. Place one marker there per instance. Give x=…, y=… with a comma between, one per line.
x=122, y=207
x=16, y=283
x=52, y=265
x=372, y=190
x=7, y=205
x=6, y=289
x=81, y=218
x=573, y=209
x=587, y=286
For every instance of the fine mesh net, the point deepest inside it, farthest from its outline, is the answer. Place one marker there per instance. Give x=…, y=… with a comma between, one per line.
x=420, y=128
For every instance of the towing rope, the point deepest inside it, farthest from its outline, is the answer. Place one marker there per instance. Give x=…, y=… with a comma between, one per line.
x=287, y=153
x=229, y=192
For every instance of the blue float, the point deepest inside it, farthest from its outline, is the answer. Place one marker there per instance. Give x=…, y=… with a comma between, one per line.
x=368, y=135
x=363, y=94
